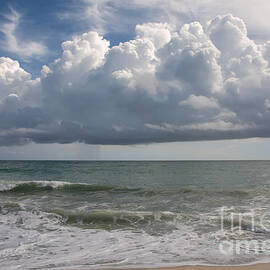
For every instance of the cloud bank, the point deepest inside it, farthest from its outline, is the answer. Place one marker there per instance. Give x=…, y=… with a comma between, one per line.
x=194, y=83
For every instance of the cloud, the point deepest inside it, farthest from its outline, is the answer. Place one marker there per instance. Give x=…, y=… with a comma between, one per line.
x=208, y=126
x=158, y=33
x=197, y=82
x=12, y=77
x=25, y=49
x=117, y=16
x=200, y=102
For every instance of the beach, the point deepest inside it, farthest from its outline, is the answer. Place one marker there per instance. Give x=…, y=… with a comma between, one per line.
x=263, y=266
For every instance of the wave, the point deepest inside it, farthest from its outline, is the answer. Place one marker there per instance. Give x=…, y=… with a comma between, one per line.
x=29, y=187
x=68, y=187
x=93, y=188
x=153, y=222
x=111, y=218
x=197, y=191
x=99, y=219
x=46, y=186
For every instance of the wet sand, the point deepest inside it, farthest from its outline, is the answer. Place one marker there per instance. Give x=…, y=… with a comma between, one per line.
x=265, y=266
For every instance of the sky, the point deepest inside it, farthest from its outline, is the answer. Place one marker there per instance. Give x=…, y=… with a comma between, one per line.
x=100, y=79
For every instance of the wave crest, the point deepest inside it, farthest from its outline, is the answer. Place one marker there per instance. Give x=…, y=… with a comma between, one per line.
x=33, y=187
x=112, y=219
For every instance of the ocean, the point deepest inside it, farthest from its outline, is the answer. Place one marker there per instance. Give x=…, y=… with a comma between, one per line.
x=100, y=214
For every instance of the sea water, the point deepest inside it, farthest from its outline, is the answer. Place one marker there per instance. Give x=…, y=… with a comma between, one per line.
x=98, y=214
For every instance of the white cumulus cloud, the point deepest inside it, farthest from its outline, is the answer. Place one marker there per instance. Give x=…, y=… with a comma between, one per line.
x=195, y=82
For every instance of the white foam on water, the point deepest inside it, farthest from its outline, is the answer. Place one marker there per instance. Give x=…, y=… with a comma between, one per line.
x=7, y=185
x=34, y=239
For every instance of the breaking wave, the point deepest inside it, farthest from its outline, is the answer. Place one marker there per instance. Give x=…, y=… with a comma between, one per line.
x=68, y=187
x=39, y=186
x=112, y=219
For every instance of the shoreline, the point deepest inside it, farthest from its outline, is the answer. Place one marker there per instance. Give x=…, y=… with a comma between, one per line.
x=257, y=266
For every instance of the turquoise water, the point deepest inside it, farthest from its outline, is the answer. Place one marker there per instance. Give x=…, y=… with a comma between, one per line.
x=72, y=214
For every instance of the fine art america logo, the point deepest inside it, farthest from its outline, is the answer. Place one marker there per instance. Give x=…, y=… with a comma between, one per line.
x=241, y=223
